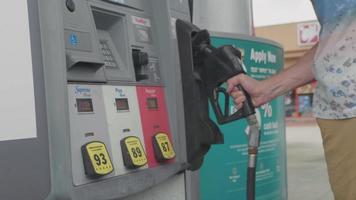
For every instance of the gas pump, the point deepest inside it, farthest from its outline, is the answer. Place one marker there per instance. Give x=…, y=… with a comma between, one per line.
x=105, y=127
x=118, y=112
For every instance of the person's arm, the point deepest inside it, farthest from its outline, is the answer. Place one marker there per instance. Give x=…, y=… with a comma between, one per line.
x=264, y=91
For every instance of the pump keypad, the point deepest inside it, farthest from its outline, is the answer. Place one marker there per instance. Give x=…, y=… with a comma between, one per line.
x=133, y=154
x=97, y=161
x=163, y=147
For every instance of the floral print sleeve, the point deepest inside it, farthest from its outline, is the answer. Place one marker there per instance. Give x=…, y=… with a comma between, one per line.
x=335, y=60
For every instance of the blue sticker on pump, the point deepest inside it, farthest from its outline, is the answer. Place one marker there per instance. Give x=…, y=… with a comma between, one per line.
x=73, y=38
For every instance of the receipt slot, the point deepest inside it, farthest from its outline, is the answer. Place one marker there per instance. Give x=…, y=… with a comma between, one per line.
x=155, y=121
x=125, y=130
x=90, y=142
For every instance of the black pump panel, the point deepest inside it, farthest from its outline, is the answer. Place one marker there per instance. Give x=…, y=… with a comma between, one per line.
x=201, y=132
x=204, y=69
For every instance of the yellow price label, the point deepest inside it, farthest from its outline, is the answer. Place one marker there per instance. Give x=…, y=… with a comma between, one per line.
x=99, y=158
x=136, y=151
x=165, y=146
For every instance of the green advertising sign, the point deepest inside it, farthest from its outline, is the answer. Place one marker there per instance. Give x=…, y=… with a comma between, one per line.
x=223, y=175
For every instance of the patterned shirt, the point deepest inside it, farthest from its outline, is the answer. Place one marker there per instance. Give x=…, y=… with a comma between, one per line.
x=335, y=60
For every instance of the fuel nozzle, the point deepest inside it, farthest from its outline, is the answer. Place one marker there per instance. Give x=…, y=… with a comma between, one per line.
x=215, y=66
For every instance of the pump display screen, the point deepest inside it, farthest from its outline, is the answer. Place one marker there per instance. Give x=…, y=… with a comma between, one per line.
x=122, y=104
x=152, y=103
x=85, y=105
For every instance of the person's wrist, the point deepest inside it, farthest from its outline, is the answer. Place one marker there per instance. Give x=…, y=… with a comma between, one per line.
x=266, y=91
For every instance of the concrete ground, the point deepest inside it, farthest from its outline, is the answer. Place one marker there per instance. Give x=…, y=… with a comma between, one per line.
x=307, y=175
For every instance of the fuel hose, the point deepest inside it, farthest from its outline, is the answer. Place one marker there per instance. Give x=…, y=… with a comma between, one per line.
x=253, y=144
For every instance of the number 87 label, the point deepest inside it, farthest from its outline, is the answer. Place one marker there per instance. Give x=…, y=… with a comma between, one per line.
x=163, y=147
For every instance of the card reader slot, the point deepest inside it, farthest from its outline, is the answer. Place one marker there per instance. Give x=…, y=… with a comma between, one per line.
x=84, y=62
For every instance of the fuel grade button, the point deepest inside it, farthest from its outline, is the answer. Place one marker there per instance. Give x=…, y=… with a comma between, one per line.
x=97, y=161
x=163, y=147
x=133, y=154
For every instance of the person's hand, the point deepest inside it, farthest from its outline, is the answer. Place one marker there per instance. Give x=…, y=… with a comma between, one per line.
x=253, y=87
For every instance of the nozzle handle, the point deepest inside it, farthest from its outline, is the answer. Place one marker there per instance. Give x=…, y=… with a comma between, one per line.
x=227, y=113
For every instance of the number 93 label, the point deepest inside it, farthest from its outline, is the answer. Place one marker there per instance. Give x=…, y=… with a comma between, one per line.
x=133, y=153
x=97, y=161
x=163, y=147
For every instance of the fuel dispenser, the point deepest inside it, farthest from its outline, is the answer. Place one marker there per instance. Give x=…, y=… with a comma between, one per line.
x=117, y=106
x=106, y=126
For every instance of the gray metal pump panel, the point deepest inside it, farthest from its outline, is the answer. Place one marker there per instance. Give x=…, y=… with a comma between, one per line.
x=108, y=111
